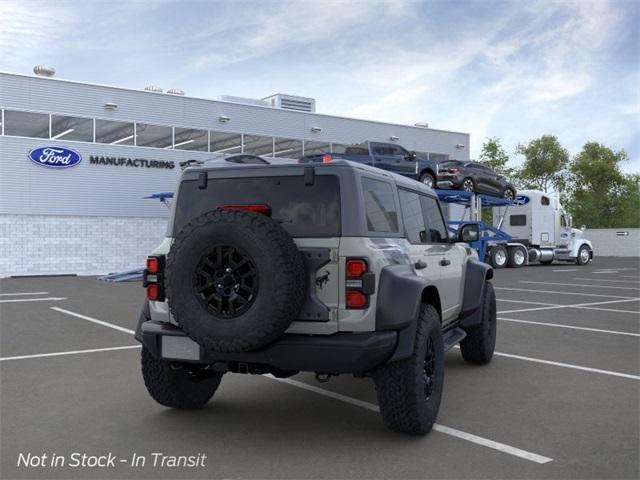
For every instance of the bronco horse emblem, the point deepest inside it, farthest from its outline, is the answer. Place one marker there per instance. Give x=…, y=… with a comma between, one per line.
x=322, y=279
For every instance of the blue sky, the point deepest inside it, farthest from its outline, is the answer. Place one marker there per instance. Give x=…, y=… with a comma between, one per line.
x=512, y=69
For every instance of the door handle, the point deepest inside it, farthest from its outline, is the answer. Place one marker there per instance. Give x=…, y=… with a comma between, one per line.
x=444, y=262
x=419, y=265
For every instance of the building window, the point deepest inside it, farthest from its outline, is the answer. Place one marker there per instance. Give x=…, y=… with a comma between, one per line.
x=190, y=139
x=438, y=157
x=157, y=136
x=258, y=145
x=225, y=143
x=114, y=133
x=380, y=206
x=338, y=148
x=287, y=148
x=26, y=124
x=316, y=148
x=71, y=128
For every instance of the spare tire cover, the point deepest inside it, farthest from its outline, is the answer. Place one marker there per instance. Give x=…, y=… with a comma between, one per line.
x=235, y=280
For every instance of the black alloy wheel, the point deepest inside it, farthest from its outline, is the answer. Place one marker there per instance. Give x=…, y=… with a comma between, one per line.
x=226, y=281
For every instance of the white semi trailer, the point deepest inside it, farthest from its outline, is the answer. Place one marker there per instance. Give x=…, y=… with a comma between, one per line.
x=540, y=226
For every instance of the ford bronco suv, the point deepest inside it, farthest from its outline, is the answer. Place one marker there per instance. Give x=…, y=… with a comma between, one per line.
x=327, y=268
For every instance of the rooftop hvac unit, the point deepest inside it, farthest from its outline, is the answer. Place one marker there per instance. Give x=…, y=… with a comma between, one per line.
x=291, y=102
x=44, y=71
x=153, y=88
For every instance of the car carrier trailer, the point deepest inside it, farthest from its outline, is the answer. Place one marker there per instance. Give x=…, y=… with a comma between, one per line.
x=532, y=228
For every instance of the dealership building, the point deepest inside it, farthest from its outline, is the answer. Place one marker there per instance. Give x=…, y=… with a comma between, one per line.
x=77, y=160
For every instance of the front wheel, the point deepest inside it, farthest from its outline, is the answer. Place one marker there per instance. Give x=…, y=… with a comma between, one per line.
x=428, y=179
x=509, y=194
x=468, y=185
x=480, y=342
x=410, y=390
x=584, y=255
x=178, y=385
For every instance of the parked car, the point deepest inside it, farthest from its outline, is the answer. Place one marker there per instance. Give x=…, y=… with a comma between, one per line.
x=331, y=268
x=474, y=177
x=387, y=156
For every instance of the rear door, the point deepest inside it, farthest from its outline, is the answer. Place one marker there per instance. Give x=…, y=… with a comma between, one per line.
x=449, y=257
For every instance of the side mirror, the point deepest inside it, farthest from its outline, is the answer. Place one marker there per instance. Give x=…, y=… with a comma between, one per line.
x=411, y=157
x=469, y=233
x=583, y=227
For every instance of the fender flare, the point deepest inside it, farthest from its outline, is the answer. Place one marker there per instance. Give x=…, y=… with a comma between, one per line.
x=400, y=294
x=476, y=274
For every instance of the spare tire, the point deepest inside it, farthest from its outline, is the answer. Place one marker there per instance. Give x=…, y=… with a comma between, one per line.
x=235, y=280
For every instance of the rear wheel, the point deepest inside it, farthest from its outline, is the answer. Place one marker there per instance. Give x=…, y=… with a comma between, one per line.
x=480, y=342
x=517, y=257
x=468, y=185
x=178, y=385
x=509, y=194
x=584, y=255
x=499, y=256
x=410, y=390
x=428, y=179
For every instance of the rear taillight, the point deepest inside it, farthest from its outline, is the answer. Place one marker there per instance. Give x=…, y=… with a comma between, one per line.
x=153, y=278
x=454, y=170
x=326, y=158
x=360, y=283
x=258, y=208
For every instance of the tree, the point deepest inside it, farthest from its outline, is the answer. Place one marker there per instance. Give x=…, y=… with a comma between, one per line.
x=601, y=196
x=545, y=164
x=495, y=157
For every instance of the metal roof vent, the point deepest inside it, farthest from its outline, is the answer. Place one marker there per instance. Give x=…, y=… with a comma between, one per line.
x=153, y=88
x=44, y=71
x=175, y=91
x=291, y=102
x=421, y=124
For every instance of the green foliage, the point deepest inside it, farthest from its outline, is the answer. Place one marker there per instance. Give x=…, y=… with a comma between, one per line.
x=495, y=157
x=545, y=165
x=599, y=194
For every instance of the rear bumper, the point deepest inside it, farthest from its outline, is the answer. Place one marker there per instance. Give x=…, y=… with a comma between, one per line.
x=337, y=353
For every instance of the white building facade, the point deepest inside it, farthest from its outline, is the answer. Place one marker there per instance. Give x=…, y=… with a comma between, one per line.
x=78, y=207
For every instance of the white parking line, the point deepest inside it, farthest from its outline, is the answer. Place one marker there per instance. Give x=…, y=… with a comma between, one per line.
x=606, y=280
x=528, y=290
x=572, y=327
x=566, y=270
x=485, y=442
x=94, y=320
x=528, y=302
x=72, y=352
x=568, y=365
x=588, y=306
x=580, y=285
x=19, y=300
x=628, y=276
x=22, y=293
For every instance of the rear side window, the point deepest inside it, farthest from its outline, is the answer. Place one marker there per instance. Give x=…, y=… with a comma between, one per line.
x=518, y=220
x=412, y=216
x=303, y=210
x=380, y=206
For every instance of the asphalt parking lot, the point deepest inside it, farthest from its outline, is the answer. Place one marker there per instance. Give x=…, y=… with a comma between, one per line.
x=559, y=400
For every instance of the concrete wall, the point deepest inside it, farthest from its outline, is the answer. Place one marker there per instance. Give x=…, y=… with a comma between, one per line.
x=607, y=242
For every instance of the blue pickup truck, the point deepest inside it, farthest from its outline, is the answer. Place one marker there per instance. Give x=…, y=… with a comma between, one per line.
x=387, y=156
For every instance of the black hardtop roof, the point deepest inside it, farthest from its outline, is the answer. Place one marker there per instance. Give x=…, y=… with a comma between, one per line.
x=240, y=170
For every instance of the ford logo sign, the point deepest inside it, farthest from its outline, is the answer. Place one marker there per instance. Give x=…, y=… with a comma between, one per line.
x=521, y=200
x=55, y=157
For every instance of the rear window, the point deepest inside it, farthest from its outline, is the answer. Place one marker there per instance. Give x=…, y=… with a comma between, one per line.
x=303, y=210
x=518, y=220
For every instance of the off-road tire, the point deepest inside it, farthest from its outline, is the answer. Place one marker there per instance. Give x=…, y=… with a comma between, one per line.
x=495, y=256
x=401, y=385
x=428, y=176
x=479, y=344
x=281, y=280
x=180, y=386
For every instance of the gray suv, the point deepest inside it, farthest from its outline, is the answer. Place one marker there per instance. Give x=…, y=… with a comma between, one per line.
x=328, y=268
